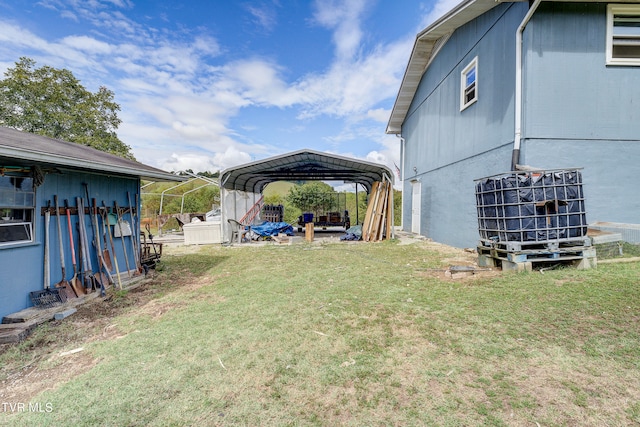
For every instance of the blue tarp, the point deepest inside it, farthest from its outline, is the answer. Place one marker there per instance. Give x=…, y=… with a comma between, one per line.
x=353, y=233
x=272, y=229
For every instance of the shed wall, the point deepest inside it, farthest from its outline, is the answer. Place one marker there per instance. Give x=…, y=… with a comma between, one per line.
x=448, y=199
x=235, y=204
x=22, y=266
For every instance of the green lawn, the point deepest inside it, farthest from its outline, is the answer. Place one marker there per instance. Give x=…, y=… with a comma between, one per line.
x=355, y=334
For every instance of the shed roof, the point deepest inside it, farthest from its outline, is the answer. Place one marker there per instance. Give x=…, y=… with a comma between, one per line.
x=303, y=165
x=25, y=149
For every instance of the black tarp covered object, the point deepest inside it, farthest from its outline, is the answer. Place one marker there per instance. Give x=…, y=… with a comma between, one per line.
x=531, y=206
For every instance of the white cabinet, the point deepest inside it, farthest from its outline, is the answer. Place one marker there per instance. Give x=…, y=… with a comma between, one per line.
x=202, y=233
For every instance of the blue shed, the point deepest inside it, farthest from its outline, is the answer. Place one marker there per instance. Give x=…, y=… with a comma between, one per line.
x=492, y=86
x=33, y=170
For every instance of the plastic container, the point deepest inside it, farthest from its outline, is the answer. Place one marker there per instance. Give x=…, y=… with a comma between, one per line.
x=531, y=206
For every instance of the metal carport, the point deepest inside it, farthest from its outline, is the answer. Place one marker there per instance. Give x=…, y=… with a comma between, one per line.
x=241, y=186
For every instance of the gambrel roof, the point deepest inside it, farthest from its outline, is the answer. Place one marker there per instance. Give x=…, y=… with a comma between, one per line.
x=426, y=47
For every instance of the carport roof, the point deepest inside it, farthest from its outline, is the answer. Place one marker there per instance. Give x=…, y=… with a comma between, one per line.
x=302, y=165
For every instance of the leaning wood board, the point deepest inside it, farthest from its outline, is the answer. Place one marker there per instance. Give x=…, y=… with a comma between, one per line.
x=375, y=199
x=367, y=217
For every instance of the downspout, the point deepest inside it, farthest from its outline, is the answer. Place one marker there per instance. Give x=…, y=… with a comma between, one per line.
x=402, y=142
x=401, y=156
x=515, y=156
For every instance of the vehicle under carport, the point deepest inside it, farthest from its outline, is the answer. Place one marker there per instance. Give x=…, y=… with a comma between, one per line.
x=241, y=186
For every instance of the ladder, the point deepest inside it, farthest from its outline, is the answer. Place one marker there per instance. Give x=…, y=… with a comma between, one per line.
x=252, y=213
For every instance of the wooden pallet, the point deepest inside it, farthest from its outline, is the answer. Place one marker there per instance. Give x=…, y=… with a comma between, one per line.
x=16, y=332
x=581, y=257
x=550, y=245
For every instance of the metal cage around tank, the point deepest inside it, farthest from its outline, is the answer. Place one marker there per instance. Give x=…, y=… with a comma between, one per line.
x=531, y=207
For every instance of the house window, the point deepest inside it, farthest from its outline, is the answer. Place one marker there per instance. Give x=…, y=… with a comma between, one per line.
x=469, y=84
x=17, y=207
x=623, y=34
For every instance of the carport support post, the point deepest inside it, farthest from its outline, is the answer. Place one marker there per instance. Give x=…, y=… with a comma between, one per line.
x=357, y=214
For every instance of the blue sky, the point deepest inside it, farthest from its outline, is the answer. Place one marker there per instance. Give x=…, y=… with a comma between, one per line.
x=210, y=84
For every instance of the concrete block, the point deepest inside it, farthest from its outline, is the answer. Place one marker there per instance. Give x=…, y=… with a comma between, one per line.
x=517, y=266
x=61, y=315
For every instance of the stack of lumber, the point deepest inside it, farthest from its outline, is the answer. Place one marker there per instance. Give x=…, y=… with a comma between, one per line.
x=378, y=221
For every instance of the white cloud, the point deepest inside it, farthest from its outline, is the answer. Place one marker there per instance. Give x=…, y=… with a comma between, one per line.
x=87, y=44
x=344, y=18
x=264, y=15
x=353, y=88
x=379, y=114
x=218, y=161
x=183, y=161
x=438, y=10
x=13, y=35
x=257, y=81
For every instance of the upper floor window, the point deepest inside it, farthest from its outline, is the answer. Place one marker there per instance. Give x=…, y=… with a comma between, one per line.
x=17, y=207
x=623, y=34
x=469, y=84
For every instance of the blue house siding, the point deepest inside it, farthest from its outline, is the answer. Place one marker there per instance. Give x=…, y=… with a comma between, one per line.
x=22, y=266
x=438, y=133
x=570, y=94
x=579, y=111
x=448, y=198
x=449, y=148
x=610, y=173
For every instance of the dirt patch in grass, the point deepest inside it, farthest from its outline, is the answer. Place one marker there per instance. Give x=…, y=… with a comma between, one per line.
x=464, y=275
x=23, y=383
x=56, y=349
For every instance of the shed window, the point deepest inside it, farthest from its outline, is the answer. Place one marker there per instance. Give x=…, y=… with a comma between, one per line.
x=17, y=206
x=623, y=34
x=469, y=84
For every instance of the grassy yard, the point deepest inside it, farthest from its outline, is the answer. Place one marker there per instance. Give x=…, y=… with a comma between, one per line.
x=343, y=334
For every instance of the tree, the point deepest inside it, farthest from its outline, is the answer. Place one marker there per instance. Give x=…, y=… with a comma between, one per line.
x=314, y=196
x=206, y=174
x=52, y=102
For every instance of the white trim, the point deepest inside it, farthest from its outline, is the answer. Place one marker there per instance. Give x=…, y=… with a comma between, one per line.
x=473, y=65
x=612, y=10
x=436, y=48
x=18, y=200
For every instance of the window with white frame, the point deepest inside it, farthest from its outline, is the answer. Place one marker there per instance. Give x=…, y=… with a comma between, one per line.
x=623, y=34
x=469, y=84
x=17, y=206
